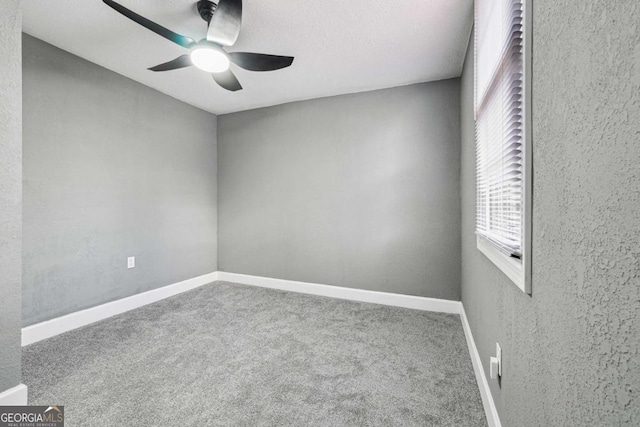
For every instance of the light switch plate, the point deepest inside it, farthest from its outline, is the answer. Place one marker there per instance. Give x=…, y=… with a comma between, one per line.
x=499, y=357
x=131, y=262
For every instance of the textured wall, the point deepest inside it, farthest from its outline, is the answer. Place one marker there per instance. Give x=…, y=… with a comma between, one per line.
x=571, y=350
x=10, y=193
x=111, y=169
x=357, y=190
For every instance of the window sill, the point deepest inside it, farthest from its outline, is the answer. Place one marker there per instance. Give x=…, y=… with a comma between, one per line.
x=511, y=267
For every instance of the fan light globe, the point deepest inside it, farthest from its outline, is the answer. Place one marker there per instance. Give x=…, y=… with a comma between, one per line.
x=209, y=59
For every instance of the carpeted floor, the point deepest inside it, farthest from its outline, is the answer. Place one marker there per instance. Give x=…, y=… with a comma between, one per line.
x=234, y=355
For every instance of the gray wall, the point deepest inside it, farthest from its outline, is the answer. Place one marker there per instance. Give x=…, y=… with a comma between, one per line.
x=358, y=190
x=571, y=351
x=112, y=169
x=10, y=193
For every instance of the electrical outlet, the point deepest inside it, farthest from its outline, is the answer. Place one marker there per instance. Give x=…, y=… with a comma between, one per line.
x=495, y=363
x=131, y=262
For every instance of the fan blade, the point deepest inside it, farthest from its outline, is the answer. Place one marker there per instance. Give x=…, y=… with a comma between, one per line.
x=227, y=80
x=260, y=61
x=158, y=29
x=179, y=62
x=224, y=27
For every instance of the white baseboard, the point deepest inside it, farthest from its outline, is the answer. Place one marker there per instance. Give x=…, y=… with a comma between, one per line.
x=493, y=420
x=59, y=325
x=375, y=297
x=16, y=396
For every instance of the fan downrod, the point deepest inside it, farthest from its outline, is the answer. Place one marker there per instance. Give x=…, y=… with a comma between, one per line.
x=206, y=9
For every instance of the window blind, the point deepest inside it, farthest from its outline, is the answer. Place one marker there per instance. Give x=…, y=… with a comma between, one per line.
x=499, y=92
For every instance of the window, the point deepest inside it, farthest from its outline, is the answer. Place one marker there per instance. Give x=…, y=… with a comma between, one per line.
x=503, y=150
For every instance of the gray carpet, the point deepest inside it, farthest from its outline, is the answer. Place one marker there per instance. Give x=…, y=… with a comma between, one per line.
x=234, y=355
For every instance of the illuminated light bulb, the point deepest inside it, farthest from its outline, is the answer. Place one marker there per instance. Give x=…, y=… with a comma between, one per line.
x=209, y=58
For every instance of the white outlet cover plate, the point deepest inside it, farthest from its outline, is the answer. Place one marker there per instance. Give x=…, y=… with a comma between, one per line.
x=131, y=262
x=499, y=357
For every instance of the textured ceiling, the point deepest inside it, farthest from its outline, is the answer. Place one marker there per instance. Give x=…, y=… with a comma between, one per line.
x=340, y=46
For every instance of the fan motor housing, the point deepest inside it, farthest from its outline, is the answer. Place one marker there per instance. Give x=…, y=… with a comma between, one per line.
x=206, y=9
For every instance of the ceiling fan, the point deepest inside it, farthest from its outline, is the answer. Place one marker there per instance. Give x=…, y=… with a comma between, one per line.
x=224, y=20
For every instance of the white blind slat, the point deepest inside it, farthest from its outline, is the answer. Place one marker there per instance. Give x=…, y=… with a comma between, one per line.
x=499, y=92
